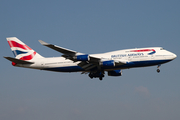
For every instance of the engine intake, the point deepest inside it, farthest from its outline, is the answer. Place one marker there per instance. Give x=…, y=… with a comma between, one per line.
x=115, y=73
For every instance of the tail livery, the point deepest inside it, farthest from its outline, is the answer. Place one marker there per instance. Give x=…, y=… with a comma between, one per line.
x=21, y=51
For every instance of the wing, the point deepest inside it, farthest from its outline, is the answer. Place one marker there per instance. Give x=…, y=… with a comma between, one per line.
x=88, y=62
x=59, y=49
x=67, y=53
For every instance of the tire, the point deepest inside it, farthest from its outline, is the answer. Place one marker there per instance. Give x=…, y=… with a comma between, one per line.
x=158, y=70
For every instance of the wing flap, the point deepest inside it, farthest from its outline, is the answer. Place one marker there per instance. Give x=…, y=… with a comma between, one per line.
x=94, y=59
x=117, y=62
x=87, y=66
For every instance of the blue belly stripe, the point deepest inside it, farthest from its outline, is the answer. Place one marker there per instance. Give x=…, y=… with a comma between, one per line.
x=128, y=65
x=65, y=69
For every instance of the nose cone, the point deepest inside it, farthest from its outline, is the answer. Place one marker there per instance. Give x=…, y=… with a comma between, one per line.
x=174, y=56
x=170, y=55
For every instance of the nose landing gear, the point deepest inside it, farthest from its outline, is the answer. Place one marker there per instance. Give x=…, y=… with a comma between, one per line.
x=158, y=70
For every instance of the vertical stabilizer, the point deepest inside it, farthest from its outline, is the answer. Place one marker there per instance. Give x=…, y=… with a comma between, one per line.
x=22, y=51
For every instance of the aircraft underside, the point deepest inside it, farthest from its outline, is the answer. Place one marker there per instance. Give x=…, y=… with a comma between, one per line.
x=96, y=73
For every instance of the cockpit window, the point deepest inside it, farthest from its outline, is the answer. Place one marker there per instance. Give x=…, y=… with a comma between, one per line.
x=161, y=48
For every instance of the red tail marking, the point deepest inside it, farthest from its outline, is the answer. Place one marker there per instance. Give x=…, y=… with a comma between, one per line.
x=29, y=57
x=15, y=44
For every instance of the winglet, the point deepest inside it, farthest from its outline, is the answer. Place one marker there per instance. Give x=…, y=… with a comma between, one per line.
x=43, y=43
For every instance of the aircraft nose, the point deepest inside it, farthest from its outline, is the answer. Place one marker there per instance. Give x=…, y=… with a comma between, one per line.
x=174, y=56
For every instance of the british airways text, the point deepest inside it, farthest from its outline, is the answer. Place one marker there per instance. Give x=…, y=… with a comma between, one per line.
x=126, y=55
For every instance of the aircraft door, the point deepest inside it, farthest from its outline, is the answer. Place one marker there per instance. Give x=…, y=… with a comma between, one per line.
x=42, y=64
x=152, y=56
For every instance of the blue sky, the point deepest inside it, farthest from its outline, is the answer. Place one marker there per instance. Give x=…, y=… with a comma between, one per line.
x=94, y=26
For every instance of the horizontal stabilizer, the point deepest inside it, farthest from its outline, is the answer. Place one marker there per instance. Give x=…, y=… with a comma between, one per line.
x=18, y=61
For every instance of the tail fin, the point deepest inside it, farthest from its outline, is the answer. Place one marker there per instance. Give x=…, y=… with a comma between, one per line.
x=22, y=51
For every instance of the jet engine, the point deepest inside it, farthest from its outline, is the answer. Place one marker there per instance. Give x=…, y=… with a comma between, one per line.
x=115, y=73
x=109, y=63
x=82, y=57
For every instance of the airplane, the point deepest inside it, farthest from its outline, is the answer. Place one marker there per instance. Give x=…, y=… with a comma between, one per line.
x=93, y=64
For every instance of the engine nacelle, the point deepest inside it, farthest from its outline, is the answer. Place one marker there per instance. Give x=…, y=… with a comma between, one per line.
x=115, y=73
x=109, y=63
x=82, y=58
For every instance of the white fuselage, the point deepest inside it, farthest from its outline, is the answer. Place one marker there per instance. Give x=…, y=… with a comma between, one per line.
x=138, y=57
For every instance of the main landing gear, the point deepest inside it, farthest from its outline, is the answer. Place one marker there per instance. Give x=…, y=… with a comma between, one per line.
x=100, y=75
x=158, y=70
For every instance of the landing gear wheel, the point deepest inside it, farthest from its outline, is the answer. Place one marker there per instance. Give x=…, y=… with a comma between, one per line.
x=100, y=78
x=90, y=75
x=158, y=70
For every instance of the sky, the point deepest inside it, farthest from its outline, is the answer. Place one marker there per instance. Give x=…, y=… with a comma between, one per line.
x=93, y=26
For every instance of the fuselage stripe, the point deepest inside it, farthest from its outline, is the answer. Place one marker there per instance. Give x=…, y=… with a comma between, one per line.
x=143, y=50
